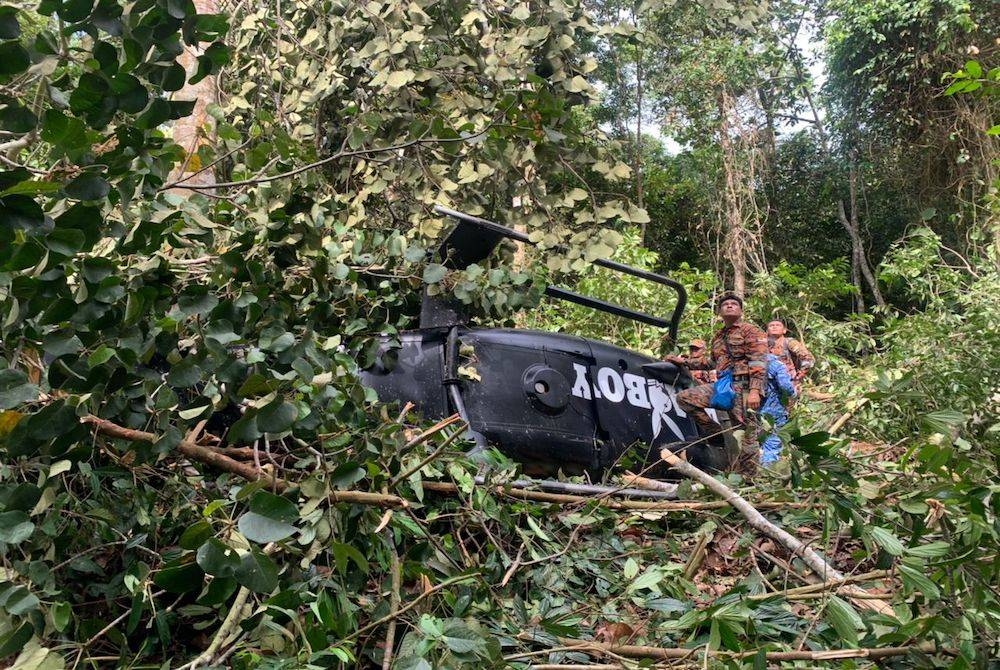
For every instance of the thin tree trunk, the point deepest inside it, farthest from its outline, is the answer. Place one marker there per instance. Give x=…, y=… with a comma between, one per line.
x=637, y=167
x=732, y=217
x=852, y=227
x=198, y=128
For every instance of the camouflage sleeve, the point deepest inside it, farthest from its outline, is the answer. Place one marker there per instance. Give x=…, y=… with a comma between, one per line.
x=703, y=362
x=756, y=344
x=802, y=357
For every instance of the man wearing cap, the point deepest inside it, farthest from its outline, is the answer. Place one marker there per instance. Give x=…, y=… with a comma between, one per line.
x=797, y=359
x=696, y=353
x=741, y=347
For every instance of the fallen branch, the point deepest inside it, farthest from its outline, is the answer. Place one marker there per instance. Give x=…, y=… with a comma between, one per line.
x=846, y=416
x=640, y=482
x=815, y=562
x=512, y=491
x=668, y=653
x=229, y=626
x=209, y=456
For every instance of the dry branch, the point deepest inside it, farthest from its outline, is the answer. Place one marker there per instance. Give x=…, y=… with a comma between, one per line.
x=637, y=505
x=668, y=653
x=815, y=562
x=212, y=457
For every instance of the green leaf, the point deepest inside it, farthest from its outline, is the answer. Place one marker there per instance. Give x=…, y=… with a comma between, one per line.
x=61, y=613
x=180, y=576
x=845, y=620
x=88, y=186
x=218, y=560
x=17, y=119
x=196, y=534
x=15, y=527
x=14, y=641
x=274, y=507
x=259, y=528
x=276, y=417
x=889, y=542
x=15, y=389
x=76, y=10
x=974, y=69
x=20, y=601
x=434, y=272
x=994, y=130
x=918, y=581
x=185, y=374
x=650, y=579
x=244, y=431
x=344, y=554
x=21, y=212
x=13, y=59
x=460, y=638
x=257, y=572
x=10, y=29
x=101, y=356
x=930, y=550
x=32, y=188
x=943, y=421
x=347, y=475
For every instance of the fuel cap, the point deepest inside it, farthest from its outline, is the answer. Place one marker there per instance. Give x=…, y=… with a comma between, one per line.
x=547, y=389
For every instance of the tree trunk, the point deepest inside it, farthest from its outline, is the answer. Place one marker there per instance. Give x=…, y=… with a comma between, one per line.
x=198, y=128
x=850, y=224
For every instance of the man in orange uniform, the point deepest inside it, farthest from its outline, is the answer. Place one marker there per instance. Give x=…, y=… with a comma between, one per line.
x=797, y=359
x=741, y=347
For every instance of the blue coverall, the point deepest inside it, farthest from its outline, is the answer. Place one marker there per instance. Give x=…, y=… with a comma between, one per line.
x=779, y=386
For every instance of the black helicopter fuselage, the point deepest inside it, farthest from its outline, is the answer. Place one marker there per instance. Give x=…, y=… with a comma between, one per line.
x=549, y=400
x=552, y=401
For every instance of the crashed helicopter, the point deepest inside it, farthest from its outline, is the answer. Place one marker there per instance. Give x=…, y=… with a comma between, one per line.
x=549, y=400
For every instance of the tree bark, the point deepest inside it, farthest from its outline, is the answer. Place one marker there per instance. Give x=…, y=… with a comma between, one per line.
x=192, y=131
x=851, y=225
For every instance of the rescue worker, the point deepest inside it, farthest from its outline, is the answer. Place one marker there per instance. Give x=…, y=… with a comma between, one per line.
x=741, y=347
x=696, y=352
x=797, y=359
x=780, y=389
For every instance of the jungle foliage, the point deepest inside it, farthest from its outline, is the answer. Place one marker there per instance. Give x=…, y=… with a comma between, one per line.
x=191, y=474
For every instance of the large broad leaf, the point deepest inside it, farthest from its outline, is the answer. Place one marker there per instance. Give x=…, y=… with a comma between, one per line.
x=257, y=572
x=88, y=186
x=942, y=421
x=13, y=58
x=180, y=576
x=14, y=641
x=889, y=542
x=916, y=580
x=216, y=559
x=845, y=620
x=196, y=534
x=10, y=29
x=276, y=417
x=274, y=507
x=20, y=211
x=15, y=389
x=17, y=119
x=15, y=527
x=259, y=528
x=460, y=638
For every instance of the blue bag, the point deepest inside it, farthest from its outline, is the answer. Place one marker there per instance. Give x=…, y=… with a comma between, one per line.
x=723, y=395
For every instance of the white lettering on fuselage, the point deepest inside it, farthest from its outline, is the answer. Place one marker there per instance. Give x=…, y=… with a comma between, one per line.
x=637, y=390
